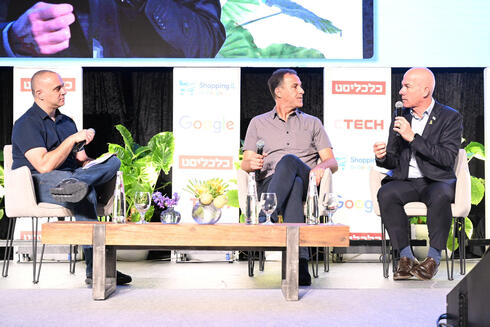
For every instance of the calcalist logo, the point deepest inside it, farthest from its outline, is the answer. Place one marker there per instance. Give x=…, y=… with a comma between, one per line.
x=70, y=85
x=205, y=162
x=359, y=87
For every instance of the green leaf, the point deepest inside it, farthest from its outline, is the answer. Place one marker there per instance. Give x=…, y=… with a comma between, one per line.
x=477, y=190
x=239, y=43
x=468, y=226
x=127, y=138
x=235, y=10
x=289, y=51
x=233, y=198
x=476, y=150
x=293, y=9
x=162, y=148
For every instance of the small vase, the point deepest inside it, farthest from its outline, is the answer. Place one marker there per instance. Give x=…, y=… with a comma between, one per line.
x=206, y=214
x=170, y=216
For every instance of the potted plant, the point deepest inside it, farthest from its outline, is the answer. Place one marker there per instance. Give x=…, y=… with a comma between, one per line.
x=211, y=195
x=167, y=204
x=141, y=165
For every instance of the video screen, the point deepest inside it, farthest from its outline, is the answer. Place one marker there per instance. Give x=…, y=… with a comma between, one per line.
x=242, y=29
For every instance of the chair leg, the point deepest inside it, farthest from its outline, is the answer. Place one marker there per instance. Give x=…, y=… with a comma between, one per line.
x=261, y=260
x=36, y=272
x=314, y=261
x=326, y=259
x=449, y=277
x=251, y=263
x=462, y=247
x=8, y=247
x=455, y=230
x=73, y=257
x=384, y=252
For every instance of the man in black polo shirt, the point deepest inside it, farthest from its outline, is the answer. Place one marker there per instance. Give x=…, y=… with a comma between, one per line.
x=47, y=142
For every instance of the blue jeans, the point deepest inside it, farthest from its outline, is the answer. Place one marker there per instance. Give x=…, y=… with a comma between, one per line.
x=87, y=208
x=290, y=183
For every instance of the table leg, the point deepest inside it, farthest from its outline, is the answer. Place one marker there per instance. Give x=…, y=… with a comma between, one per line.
x=104, y=265
x=290, y=286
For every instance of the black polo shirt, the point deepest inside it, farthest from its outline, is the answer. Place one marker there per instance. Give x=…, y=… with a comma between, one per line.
x=35, y=129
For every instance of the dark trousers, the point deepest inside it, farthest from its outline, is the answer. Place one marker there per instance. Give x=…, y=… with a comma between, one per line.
x=437, y=196
x=290, y=183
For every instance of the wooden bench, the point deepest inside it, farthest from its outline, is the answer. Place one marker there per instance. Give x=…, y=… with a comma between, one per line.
x=107, y=237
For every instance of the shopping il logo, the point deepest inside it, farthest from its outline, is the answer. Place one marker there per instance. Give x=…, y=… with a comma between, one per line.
x=359, y=87
x=25, y=84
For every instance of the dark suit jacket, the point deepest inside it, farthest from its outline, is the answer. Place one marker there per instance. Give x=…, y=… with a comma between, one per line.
x=163, y=28
x=435, y=150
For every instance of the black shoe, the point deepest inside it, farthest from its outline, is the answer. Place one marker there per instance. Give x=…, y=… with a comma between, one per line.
x=121, y=279
x=304, y=275
x=69, y=190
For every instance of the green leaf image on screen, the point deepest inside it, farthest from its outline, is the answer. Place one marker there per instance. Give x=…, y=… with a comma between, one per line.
x=240, y=42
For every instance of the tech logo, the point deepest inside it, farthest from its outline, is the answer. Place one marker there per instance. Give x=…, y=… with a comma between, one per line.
x=356, y=124
x=70, y=84
x=359, y=87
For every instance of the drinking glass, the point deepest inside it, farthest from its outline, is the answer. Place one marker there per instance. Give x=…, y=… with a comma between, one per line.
x=268, y=203
x=331, y=202
x=142, y=203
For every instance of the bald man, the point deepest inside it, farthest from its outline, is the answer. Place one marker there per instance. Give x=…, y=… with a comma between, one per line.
x=422, y=148
x=43, y=139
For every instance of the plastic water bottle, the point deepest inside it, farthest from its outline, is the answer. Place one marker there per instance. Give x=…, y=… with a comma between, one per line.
x=252, y=215
x=119, y=207
x=312, y=212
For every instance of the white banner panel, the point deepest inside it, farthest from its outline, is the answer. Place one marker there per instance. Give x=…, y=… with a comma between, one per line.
x=356, y=115
x=486, y=83
x=206, y=126
x=23, y=100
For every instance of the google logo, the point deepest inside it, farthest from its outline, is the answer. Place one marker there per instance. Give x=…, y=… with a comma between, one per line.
x=216, y=126
x=366, y=205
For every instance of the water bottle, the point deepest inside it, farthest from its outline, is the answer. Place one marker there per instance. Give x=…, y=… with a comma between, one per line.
x=312, y=212
x=252, y=215
x=119, y=207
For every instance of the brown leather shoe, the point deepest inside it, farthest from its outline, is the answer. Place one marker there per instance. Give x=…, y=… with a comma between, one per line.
x=426, y=270
x=405, y=265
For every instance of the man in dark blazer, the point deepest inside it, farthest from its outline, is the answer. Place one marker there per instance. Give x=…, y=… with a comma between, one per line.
x=111, y=28
x=422, y=148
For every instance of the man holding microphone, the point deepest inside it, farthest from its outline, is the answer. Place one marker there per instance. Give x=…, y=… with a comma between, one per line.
x=422, y=147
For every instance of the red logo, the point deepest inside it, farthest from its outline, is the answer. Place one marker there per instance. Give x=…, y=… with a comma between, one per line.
x=359, y=87
x=359, y=124
x=206, y=162
x=25, y=84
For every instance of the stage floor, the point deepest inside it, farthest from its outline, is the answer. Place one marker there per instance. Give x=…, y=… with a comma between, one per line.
x=352, y=293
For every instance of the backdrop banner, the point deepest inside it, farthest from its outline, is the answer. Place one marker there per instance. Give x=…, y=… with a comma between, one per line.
x=22, y=101
x=206, y=126
x=357, y=114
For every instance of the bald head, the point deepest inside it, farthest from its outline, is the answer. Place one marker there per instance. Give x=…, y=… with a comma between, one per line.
x=423, y=77
x=48, y=90
x=417, y=87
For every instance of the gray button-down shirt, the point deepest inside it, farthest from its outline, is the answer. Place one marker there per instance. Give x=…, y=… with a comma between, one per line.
x=302, y=135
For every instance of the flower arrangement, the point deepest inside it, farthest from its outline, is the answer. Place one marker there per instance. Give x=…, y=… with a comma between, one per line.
x=210, y=191
x=163, y=201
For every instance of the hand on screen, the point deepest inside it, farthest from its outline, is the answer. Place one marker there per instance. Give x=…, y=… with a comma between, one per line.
x=43, y=29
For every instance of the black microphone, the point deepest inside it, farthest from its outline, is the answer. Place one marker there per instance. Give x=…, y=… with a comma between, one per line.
x=260, y=146
x=79, y=146
x=398, y=111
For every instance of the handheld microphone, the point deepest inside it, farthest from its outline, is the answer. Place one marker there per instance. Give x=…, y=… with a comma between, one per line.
x=398, y=111
x=79, y=146
x=260, y=146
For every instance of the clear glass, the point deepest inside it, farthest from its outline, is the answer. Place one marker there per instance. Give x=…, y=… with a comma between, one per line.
x=268, y=203
x=331, y=202
x=142, y=203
